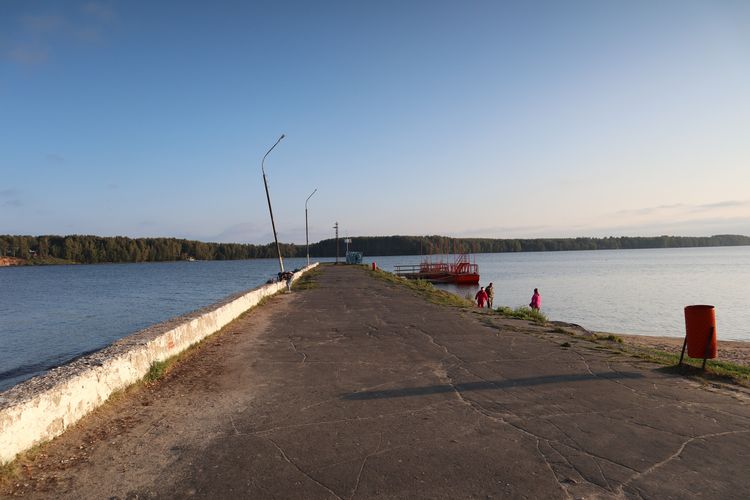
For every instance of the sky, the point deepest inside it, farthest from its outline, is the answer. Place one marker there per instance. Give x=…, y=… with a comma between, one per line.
x=468, y=119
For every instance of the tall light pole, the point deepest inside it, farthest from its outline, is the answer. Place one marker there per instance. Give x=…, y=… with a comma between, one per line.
x=307, y=241
x=336, y=227
x=270, y=210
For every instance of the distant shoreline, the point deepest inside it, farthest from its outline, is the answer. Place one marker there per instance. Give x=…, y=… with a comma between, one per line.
x=89, y=249
x=11, y=261
x=36, y=261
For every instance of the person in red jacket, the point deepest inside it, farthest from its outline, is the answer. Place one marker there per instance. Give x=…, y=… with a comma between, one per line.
x=481, y=297
x=536, y=300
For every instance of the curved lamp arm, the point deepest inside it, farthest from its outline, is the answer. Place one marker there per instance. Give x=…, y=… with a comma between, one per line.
x=262, y=167
x=308, y=198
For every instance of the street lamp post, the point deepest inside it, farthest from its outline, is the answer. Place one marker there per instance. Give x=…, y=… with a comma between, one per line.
x=307, y=240
x=270, y=210
x=336, y=227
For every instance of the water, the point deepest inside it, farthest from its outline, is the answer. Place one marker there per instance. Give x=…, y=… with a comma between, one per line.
x=621, y=291
x=52, y=314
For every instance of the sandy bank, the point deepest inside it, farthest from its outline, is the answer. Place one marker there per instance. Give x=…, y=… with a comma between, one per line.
x=11, y=261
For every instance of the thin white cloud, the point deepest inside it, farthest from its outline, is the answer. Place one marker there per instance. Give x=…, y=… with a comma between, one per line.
x=28, y=55
x=650, y=210
x=38, y=26
x=55, y=158
x=9, y=198
x=682, y=227
x=724, y=204
x=721, y=217
x=37, y=36
x=100, y=10
x=100, y=15
x=685, y=208
x=501, y=231
x=244, y=232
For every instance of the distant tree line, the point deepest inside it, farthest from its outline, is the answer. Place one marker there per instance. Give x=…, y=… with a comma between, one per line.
x=94, y=249
x=424, y=245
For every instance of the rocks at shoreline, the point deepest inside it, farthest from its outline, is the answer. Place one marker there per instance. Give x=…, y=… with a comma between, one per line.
x=11, y=261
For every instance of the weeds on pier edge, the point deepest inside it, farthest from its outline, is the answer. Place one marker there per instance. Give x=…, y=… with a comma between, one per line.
x=155, y=371
x=308, y=280
x=714, y=368
x=523, y=312
x=725, y=371
x=423, y=288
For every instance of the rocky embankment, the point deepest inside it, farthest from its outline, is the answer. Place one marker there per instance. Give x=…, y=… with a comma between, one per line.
x=11, y=261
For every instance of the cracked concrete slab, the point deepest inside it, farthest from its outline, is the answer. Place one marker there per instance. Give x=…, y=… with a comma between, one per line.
x=359, y=388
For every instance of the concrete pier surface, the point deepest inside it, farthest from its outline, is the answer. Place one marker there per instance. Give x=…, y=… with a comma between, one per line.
x=353, y=387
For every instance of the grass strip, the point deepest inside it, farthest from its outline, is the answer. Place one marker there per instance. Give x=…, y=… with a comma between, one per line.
x=692, y=366
x=523, y=312
x=715, y=369
x=423, y=288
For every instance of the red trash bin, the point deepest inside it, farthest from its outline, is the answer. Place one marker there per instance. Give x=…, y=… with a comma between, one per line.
x=700, y=323
x=374, y=266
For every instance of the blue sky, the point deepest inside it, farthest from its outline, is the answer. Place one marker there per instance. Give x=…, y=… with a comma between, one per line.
x=493, y=119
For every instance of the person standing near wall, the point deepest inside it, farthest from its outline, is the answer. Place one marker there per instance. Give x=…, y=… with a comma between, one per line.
x=287, y=276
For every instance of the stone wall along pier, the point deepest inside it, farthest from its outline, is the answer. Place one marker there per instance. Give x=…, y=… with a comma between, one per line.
x=40, y=409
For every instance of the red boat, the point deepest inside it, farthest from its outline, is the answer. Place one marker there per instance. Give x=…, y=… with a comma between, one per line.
x=461, y=271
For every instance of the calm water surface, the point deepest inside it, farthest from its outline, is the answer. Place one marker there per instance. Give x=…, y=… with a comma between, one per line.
x=50, y=315
x=623, y=291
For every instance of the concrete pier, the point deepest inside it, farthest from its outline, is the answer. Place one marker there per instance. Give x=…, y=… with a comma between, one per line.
x=353, y=387
x=42, y=408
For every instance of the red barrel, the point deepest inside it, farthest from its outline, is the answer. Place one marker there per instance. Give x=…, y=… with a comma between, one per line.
x=374, y=266
x=699, y=321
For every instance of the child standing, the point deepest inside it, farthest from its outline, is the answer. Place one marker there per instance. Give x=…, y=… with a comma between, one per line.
x=481, y=297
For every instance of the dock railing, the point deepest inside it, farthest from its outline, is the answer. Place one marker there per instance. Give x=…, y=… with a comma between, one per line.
x=406, y=269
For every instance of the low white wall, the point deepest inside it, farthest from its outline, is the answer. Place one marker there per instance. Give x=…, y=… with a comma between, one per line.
x=42, y=408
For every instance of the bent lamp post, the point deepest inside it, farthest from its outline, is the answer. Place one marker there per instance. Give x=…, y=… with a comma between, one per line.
x=307, y=240
x=270, y=210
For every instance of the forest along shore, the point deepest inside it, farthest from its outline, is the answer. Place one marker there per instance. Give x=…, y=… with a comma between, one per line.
x=89, y=249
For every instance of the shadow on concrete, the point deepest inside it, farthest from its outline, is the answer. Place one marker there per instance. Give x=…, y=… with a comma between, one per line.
x=687, y=370
x=487, y=385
